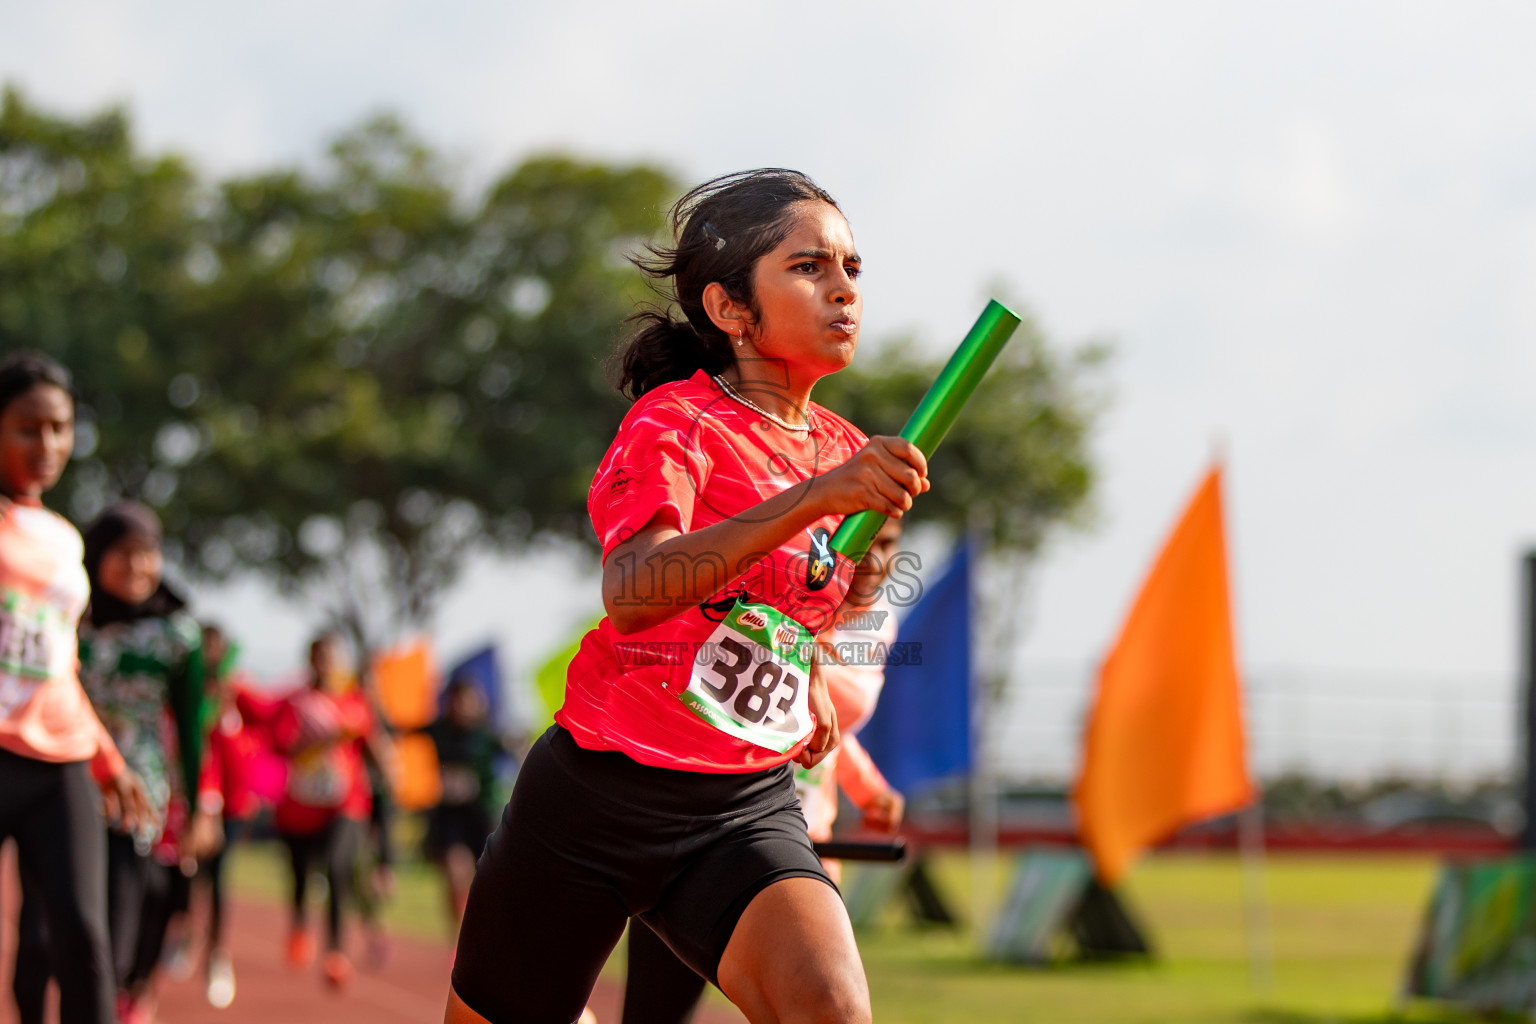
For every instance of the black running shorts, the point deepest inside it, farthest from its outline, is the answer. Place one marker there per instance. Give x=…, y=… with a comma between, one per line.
x=592, y=838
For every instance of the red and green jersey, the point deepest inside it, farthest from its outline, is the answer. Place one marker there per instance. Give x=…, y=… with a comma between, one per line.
x=145, y=679
x=689, y=455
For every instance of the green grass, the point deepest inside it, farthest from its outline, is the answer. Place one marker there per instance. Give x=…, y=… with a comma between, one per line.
x=1341, y=926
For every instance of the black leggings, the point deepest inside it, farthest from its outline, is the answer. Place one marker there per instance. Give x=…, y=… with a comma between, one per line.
x=212, y=869
x=658, y=987
x=53, y=812
x=336, y=846
x=141, y=892
x=210, y=873
x=34, y=968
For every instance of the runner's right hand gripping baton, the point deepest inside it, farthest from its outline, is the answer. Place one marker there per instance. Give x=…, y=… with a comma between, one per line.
x=937, y=411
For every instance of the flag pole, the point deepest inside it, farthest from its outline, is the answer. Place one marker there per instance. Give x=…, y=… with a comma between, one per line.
x=1250, y=839
x=1261, y=953
x=983, y=795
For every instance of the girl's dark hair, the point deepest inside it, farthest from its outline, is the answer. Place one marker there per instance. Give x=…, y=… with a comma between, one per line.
x=721, y=229
x=20, y=372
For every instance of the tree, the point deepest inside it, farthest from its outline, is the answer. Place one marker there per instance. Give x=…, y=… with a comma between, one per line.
x=348, y=378
x=434, y=379
x=95, y=243
x=343, y=380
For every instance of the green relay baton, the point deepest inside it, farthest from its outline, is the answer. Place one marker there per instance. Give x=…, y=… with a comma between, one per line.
x=936, y=413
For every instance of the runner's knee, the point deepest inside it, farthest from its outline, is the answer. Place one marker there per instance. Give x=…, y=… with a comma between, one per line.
x=834, y=998
x=844, y=1000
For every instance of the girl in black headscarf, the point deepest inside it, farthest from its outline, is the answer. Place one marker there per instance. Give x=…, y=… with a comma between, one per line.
x=141, y=664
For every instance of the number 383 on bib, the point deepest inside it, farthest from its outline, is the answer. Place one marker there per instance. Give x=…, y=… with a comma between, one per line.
x=752, y=676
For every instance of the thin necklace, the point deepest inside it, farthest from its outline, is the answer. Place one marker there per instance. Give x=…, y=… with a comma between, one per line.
x=730, y=389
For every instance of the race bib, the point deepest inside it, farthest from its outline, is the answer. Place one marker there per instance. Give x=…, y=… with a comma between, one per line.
x=26, y=650
x=317, y=779
x=751, y=678
x=15, y=691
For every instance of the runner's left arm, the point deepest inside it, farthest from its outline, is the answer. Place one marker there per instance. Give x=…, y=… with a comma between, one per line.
x=187, y=699
x=858, y=776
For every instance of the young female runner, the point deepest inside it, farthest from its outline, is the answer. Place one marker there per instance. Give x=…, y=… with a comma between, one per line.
x=232, y=750
x=141, y=664
x=321, y=730
x=664, y=790
x=467, y=750
x=49, y=733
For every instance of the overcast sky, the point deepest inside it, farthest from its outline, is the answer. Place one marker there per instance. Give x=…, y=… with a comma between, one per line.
x=1308, y=228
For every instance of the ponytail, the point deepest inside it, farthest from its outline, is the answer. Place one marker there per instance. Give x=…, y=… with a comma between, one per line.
x=663, y=350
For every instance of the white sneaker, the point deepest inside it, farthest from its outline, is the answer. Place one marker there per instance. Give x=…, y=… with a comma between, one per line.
x=221, y=979
x=178, y=960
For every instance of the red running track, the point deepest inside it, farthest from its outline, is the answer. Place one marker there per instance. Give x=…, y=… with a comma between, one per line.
x=411, y=987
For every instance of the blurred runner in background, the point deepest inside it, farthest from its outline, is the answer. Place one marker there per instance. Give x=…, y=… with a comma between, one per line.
x=141, y=663
x=853, y=665
x=467, y=751
x=226, y=792
x=324, y=810
x=373, y=873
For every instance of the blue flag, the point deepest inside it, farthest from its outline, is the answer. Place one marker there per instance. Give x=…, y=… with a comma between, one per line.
x=482, y=669
x=920, y=732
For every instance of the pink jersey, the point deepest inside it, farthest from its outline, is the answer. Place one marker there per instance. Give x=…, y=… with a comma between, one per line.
x=689, y=456
x=44, y=713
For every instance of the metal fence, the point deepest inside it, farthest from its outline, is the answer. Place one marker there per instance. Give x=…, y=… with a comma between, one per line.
x=1341, y=726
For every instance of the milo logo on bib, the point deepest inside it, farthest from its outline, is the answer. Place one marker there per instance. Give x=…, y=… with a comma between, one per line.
x=750, y=677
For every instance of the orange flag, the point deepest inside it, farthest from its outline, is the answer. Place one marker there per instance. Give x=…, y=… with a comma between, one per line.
x=1165, y=743
x=407, y=684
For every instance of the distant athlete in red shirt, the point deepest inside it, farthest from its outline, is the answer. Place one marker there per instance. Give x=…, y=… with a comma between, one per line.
x=664, y=791
x=321, y=730
x=233, y=745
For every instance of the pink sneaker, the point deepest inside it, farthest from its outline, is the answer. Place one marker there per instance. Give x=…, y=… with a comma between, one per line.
x=133, y=1009
x=380, y=949
x=337, y=969
x=301, y=949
